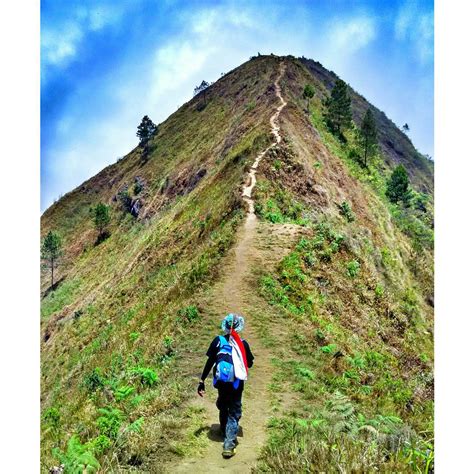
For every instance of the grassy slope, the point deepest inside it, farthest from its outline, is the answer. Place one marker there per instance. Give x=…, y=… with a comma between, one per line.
x=360, y=330
x=121, y=298
x=368, y=337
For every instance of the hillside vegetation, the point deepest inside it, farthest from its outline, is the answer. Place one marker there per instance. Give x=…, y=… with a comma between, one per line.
x=341, y=304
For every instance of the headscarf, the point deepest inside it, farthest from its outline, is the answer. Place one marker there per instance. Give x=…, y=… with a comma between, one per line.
x=236, y=320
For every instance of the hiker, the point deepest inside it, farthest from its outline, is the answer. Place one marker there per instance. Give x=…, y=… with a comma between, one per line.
x=231, y=357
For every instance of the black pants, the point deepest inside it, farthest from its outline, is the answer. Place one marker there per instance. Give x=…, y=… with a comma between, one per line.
x=229, y=403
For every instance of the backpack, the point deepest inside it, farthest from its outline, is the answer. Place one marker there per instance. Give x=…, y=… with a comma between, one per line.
x=224, y=364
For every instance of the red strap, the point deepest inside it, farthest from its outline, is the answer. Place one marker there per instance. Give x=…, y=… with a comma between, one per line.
x=241, y=347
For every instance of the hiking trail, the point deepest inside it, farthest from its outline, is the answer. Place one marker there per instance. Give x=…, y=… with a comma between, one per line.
x=236, y=292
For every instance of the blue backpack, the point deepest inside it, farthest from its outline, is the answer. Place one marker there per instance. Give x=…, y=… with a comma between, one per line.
x=224, y=364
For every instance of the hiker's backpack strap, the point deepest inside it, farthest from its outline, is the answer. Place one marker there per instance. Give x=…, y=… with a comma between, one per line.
x=222, y=341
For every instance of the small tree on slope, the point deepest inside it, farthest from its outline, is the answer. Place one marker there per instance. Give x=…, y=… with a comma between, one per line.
x=51, y=250
x=101, y=214
x=397, y=185
x=308, y=94
x=145, y=131
x=368, y=135
x=338, y=108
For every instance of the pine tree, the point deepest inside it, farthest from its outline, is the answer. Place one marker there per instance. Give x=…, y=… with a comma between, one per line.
x=202, y=87
x=197, y=90
x=145, y=131
x=338, y=108
x=308, y=93
x=368, y=135
x=397, y=185
x=101, y=214
x=51, y=250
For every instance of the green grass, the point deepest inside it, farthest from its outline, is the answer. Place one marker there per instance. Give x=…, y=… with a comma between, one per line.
x=59, y=298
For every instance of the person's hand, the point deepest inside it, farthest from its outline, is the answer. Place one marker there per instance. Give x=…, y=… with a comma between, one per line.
x=201, y=388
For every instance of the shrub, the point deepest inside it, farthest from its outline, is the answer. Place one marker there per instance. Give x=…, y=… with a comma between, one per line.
x=137, y=188
x=52, y=417
x=99, y=444
x=354, y=155
x=94, y=380
x=146, y=375
x=346, y=210
x=189, y=314
x=123, y=392
x=136, y=426
x=109, y=422
x=168, y=343
x=329, y=349
x=379, y=291
x=78, y=458
x=353, y=268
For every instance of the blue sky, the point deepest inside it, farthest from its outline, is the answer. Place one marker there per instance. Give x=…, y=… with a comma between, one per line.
x=105, y=64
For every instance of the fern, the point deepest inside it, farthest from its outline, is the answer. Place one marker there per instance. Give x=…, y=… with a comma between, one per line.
x=78, y=458
x=136, y=426
x=110, y=421
x=123, y=392
x=342, y=413
x=146, y=375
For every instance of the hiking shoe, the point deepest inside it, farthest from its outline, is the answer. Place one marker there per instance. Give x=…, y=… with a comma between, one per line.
x=228, y=453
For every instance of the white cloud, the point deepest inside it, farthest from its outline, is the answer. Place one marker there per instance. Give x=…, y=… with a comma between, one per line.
x=349, y=35
x=60, y=42
x=175, y=64
x=416, y=26
x=59, y=45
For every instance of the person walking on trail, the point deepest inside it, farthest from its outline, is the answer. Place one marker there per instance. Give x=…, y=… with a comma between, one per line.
x=230, y=357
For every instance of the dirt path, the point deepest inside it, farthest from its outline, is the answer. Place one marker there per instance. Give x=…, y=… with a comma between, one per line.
x=237, y=293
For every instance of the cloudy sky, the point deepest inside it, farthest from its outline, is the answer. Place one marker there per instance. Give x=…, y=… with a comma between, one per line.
x=106, y=63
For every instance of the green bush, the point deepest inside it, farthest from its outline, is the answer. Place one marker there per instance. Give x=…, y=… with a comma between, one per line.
x=137, y=188
x=346, y=210
x=379, y=291
x=146, y=376
x=123, y=392
x=190, y=314
x=329, y=349
x=353, y=268
x=94, y=380
x=168, y=343
x=78, y=458
x=110, y=421
x=99, y=445
x=52, y=417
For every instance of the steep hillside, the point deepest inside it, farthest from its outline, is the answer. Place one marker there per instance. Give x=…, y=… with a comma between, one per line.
x=337, y=297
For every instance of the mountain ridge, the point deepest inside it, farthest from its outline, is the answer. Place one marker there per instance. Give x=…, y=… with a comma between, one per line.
x=339, y=295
